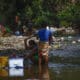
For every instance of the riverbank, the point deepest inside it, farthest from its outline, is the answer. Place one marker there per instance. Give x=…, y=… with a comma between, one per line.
x=69, y=47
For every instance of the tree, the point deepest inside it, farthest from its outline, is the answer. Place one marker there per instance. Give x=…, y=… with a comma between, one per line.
x=71, y=15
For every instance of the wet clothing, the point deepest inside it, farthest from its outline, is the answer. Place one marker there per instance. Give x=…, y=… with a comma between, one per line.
x=44, y=35
x=43, y=49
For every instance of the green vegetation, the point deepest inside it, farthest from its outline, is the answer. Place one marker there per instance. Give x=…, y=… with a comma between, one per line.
x=55, y=12
x=70, y=15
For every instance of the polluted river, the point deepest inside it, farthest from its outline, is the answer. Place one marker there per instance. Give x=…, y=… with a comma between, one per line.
x=64, y=64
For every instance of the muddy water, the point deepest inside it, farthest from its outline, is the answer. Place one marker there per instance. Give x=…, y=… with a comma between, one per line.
x=64, y=71
x=55, y=71
x=64, y=64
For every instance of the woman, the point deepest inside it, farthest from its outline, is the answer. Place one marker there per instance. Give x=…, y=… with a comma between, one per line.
x=33, y=51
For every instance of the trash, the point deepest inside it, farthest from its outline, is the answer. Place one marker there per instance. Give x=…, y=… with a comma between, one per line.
x=3, y=61
x=16, y=63
x=3, y=73
x=16, y=72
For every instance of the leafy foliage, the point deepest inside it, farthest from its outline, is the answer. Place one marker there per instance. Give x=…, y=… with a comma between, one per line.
x=54, y=12
x=70, y=14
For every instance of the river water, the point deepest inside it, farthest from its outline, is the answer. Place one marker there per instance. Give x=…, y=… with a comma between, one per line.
x=64, y=64
x=55, y=71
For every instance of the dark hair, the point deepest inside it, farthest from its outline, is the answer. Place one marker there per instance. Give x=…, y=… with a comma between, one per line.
x=32, y=42
x=44, y=24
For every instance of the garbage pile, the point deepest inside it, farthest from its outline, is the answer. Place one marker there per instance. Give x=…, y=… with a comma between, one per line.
x=13, y=42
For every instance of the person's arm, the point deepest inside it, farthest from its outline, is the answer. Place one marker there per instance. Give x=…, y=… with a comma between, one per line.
x=59, y=29
x=25, y=40
x=50, y=38
x=25, y=44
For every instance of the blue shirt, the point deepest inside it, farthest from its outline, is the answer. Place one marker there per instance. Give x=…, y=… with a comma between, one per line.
x=44, y=35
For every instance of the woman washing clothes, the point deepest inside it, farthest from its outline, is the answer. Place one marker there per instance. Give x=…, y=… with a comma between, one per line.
x=33, y=51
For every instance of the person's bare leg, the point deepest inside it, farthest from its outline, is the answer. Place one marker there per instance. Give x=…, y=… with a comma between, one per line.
x=40, y=60
x=40, y=71
x=40, y=67
x=46, y=59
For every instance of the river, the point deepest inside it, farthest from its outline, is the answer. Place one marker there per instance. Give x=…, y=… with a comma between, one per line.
x=64, y=64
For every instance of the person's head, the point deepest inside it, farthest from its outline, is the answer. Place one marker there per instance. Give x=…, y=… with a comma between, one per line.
x=44, y=24
x=32, y=43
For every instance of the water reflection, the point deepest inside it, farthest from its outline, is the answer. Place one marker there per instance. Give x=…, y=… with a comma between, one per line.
x=16, y=72
x=44, y=72
x=12, y=72
x=37, y=73
x=31, y=73
x=3, y=73
x=53, y=71
x=14, y=68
